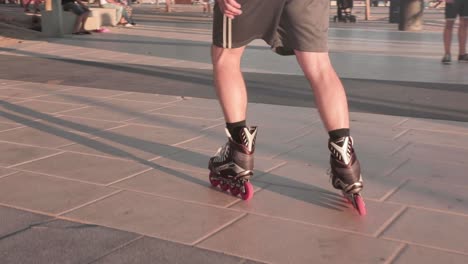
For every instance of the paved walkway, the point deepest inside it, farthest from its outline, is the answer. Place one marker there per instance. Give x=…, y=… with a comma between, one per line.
x=105, y=142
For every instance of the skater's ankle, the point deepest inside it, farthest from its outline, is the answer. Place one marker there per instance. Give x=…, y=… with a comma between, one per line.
x=336, y=134
x=235, y=130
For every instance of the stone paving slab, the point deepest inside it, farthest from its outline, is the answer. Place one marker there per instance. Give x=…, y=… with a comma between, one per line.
x=320, y=207
x=115, y=110
x=314, y=176
x=19, y=153
x=458, y=140
x=41, y=135
x=278, y=241
x=88, y=168
x=186, y=123
x=152, y=250
x=46, y=107
x=435, y=229
x=47, y=194
x=430, y=170
x=181, y=185
x=157, y=217
x=415, y=254
x=135, y=142
x=6, y=126
x=436, y=153
x=433, y=195
x=436, y=125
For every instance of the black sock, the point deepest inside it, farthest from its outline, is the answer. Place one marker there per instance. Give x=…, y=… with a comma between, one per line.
x=338, y=133
x=234, y=129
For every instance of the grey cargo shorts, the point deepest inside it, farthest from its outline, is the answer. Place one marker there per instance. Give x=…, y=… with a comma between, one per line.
x=286, y=25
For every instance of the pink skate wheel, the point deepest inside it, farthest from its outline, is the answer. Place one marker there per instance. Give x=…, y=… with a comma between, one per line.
x=248, y=192
x=235, y=191
x=224, y=186
x=214, y=182
x=360, y=205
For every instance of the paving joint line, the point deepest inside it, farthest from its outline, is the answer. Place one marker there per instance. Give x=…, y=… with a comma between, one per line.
x=410, y=243
x=89, y=203
x=29, y=210
x=163, y=196
x=390, y=172
x=15, y=128
x=395, y=255
x=187, y=141
x=33, y=160
x=9, y=174
x=454, y=213
x=64, y=178
x=401, y=122
x=397, y=136
x=400, y=148
x=55, y=102
x=128, y=177
x=65, y=111
x=391, y=192
x=387, y=224
x=219, y=229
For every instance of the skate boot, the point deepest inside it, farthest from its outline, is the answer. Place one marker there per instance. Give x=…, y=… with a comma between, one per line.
x=232, y=165
x=345, y=172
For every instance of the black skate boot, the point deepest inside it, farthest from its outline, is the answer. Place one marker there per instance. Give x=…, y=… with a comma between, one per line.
x=232, y=165
x=345, y=171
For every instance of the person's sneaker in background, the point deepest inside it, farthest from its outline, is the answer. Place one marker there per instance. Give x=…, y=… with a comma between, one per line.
x=446, y=59
x=463, y=57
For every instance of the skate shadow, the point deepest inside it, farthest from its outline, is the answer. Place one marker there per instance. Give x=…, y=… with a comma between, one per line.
x=303, y=191
x=106, y=149
x=61, y=128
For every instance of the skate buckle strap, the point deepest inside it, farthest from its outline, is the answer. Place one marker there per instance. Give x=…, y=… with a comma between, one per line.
x=342, y=152
x=248, y=138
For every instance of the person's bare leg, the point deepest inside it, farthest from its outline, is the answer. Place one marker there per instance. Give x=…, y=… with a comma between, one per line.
x=232, y=165
x=462, y=33
x=448, y=35
x=330, y=96
x=76, y=27
x=84, y=17
x=229, y=82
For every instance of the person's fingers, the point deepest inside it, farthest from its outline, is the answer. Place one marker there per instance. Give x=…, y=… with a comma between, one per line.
x=234, y=3
x=233, y=10
x=228, y=9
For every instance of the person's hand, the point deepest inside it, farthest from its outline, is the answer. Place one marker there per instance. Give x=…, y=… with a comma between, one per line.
x=230, y=8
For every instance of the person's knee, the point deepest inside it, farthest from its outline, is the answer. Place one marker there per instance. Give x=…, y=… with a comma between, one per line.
x=464, y=22
x=449, y=24
x=314, y=62
x=222, y=57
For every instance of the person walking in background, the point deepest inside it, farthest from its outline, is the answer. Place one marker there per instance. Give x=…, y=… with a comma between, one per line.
x=454, y=8
x=290, y=27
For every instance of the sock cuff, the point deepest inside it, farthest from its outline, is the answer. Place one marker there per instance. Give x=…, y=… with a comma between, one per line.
x=338, y=133
x=231, y=126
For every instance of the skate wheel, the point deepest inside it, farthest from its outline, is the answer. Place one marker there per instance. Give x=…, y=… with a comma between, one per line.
x=248, y=191
x=360, y=205
x=214, y=182
x=224, y=186
x=235, y=191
